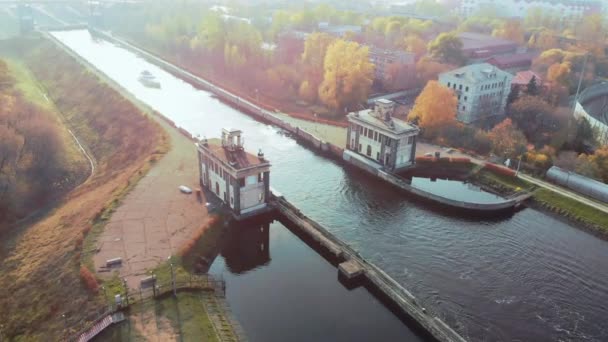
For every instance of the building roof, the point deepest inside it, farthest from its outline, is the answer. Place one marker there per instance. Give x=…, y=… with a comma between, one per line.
x=237, y=159
x=512, y=60
x=476, y=41
x=475, y=72
x=399, y=126
x=524, y=78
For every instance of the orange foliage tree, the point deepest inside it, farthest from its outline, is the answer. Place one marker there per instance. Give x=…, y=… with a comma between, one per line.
x=428, y=69
x=89, y=279
x=507, y=140
x=434, y=107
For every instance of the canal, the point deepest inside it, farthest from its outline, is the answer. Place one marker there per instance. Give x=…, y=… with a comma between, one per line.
x=528, y=277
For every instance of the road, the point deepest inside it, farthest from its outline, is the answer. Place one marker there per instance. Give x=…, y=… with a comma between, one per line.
x=564, y=192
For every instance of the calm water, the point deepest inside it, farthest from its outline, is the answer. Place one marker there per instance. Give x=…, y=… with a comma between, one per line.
x=457, y=190
x=528, y=277
x=282, y=290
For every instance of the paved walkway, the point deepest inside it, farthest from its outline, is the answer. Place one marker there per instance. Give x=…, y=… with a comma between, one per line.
x=564, y=192
x=155, y=219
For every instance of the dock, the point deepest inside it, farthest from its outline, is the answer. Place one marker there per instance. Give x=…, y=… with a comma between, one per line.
x=351, y=265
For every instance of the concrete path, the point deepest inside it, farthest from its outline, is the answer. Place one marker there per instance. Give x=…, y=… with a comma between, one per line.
x=564, y=192
x=155, y=219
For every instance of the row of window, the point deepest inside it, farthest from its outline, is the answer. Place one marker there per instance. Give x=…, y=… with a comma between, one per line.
x=374, y=135
x=459, y=86
x=493, y=85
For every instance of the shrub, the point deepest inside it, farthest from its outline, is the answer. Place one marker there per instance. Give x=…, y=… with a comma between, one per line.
x=89, y=279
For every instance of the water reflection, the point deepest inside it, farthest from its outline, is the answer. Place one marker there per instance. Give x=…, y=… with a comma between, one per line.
x=246, y=247
x=279, y=289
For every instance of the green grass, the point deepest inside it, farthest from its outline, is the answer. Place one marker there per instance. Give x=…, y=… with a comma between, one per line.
x=185, y=314
x=27, y=84
x=573, y=209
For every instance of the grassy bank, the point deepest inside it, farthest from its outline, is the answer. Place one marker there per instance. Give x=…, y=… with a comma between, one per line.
x=181, y=318
x=590, y=218
x=40, y=277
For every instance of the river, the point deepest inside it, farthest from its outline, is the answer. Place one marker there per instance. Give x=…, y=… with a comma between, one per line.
x=527, y=277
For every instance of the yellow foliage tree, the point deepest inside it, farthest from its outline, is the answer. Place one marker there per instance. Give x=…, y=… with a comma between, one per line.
x=414, y=44
x=543, y=40
x=511, y=30
x=434, y=107
x=348, y=75
x=558, y=73
x=306, y=92
x=315, y=48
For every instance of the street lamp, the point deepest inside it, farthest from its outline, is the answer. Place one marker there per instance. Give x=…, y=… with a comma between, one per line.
x=172, y=276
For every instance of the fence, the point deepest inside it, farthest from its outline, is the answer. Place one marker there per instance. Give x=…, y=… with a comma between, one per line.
x=151, y=291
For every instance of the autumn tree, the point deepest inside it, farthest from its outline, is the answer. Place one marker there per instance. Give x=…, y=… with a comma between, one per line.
x=447, y=48
x=558, y=73
x=586, y=167
x=543, y=40
x=306, y=92
x=507, y=140
x=600, y=158
x=434, y=107
x=414, y=44
x=348, y=75
x=313, y=57
x=511, y=30
x=533, y=116
x=428, y=69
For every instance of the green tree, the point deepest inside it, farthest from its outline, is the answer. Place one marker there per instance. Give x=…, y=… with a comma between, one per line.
x=532, y=87
x=447, y=48
x=348, y=76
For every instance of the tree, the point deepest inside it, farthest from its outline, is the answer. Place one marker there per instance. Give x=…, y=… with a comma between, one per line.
x=533, y=116
x=434, y=107
x=414, y=44
x=511, y=30
x=532, y=87
x=559, y=73
x=348, y=75
x=586, y=167
x=447, y=48
x=584, y=135
x=428, y=69
x=600, y=158
x=315, y=48
x=507, y=140
x=543, y=40
x=306, y=92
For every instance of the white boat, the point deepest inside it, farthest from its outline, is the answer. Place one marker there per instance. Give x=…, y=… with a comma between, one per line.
x=146, y=78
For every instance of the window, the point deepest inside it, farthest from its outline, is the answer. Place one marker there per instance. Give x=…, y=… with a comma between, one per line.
x=365, y=131
x=369, y=150
x=359, y=147
x=458, y=97
x=466, y=89
x=388, y=141
x=464, y=107
x=465, y=98
x=377, y=155
x=360, y=129
x=370, y=134
x=460, y=87
x=375, y=136
x=449, y=84
x=231, y=200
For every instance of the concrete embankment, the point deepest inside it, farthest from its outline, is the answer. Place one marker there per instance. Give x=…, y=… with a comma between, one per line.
x=352, y=265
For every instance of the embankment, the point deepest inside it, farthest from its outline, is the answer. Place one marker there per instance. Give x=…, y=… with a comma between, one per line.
x=40, y=277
